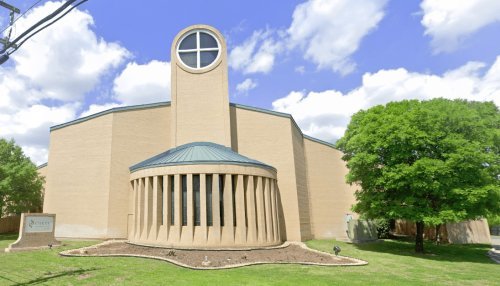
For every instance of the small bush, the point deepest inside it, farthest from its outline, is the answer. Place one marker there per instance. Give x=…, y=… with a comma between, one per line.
x=383, y=227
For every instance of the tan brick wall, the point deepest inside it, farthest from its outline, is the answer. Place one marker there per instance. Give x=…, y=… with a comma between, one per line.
x=200, y=100
x=331, y=198
x=269, y=139
x=78, y=178
x=43, y=171
x=137, y=135
x=301, y=183
x=88, y=178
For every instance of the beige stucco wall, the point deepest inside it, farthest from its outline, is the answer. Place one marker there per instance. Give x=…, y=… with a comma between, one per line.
x=330, y=197
x=88, y=181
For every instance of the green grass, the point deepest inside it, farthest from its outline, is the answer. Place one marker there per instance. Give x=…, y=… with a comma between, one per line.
x=390, y=263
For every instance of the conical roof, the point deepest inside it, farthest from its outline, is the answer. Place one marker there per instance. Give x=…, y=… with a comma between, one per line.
x=197, y=153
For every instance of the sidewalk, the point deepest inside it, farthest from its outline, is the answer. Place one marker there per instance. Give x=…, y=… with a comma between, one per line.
x=495, y=241
x=494, y=253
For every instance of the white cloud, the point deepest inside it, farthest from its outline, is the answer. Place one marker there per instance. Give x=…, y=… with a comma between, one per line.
x=67, y=59
x=138, y=84
x=47, y=78
x=29, y=126
x=330, y=31
x=257, y=54
x=245, y=86
x=300, y=69
x=448, y=22
x=325, y=114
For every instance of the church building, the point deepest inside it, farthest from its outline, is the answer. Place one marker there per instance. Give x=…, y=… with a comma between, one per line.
x=196, y=171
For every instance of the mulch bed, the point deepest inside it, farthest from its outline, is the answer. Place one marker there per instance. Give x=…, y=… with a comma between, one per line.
x=296, y=253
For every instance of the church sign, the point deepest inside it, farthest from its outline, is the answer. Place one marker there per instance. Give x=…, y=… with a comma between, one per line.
x=39, y=224
x=36, y=232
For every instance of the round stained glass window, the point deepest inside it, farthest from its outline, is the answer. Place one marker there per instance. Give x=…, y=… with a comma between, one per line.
x=198, y=49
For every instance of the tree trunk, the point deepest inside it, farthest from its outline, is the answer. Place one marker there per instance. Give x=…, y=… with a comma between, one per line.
x=419, y=237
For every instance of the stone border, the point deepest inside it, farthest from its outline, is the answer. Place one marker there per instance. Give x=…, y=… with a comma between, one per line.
x=11, y=250
x=283, y=245
x=358, y=262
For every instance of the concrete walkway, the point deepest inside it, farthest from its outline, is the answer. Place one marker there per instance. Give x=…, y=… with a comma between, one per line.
x=494, y=253
x=495, y=241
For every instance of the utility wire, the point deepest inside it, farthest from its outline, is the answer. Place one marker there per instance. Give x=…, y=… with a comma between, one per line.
x=46, y=26
x=11, y=24
x=45, y=19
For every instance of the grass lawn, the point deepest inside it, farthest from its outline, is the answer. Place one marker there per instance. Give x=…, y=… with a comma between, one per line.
x=390, y=263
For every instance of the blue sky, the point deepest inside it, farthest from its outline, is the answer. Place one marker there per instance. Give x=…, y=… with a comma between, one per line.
x=320, y=60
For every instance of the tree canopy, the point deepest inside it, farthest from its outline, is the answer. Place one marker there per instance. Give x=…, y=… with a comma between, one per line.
x=430, y=162
x=20, y=184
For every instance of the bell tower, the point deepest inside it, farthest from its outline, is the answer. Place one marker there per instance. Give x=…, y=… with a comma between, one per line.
x=200, y=103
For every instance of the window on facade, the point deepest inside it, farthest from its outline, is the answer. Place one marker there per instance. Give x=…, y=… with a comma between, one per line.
x=209, y=200
x=172, y=200
x=196, y=199
x=199, y=49
x=221, y=198
x=184, y=199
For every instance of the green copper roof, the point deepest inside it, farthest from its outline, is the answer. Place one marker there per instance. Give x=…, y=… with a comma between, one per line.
x=198, y=153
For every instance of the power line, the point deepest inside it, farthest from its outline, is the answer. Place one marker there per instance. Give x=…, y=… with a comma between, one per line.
x=46, y=26
x=21, y=38
x=30, y=32
x=45, y=19
x=24, y=13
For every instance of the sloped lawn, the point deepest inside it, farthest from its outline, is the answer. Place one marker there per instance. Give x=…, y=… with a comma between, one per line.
x=390, y=263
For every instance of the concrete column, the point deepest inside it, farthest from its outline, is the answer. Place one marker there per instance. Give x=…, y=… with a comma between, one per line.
x=154, y=213
x=278, y=220
x=136, y=210
x=228, y=228
x=141, y=208
x=274, y=209
x=241, y=229
x=190, y=209
x=177, y=209
x=269, y=215
x=167, y=211
x=261, y=215
x=215, y=233
x=250, y=207
x=157, y=207
x=203, y=206
x=148, y=208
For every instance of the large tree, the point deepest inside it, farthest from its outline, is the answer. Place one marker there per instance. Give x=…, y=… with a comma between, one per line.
x=430, y=162
x=20, y=184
